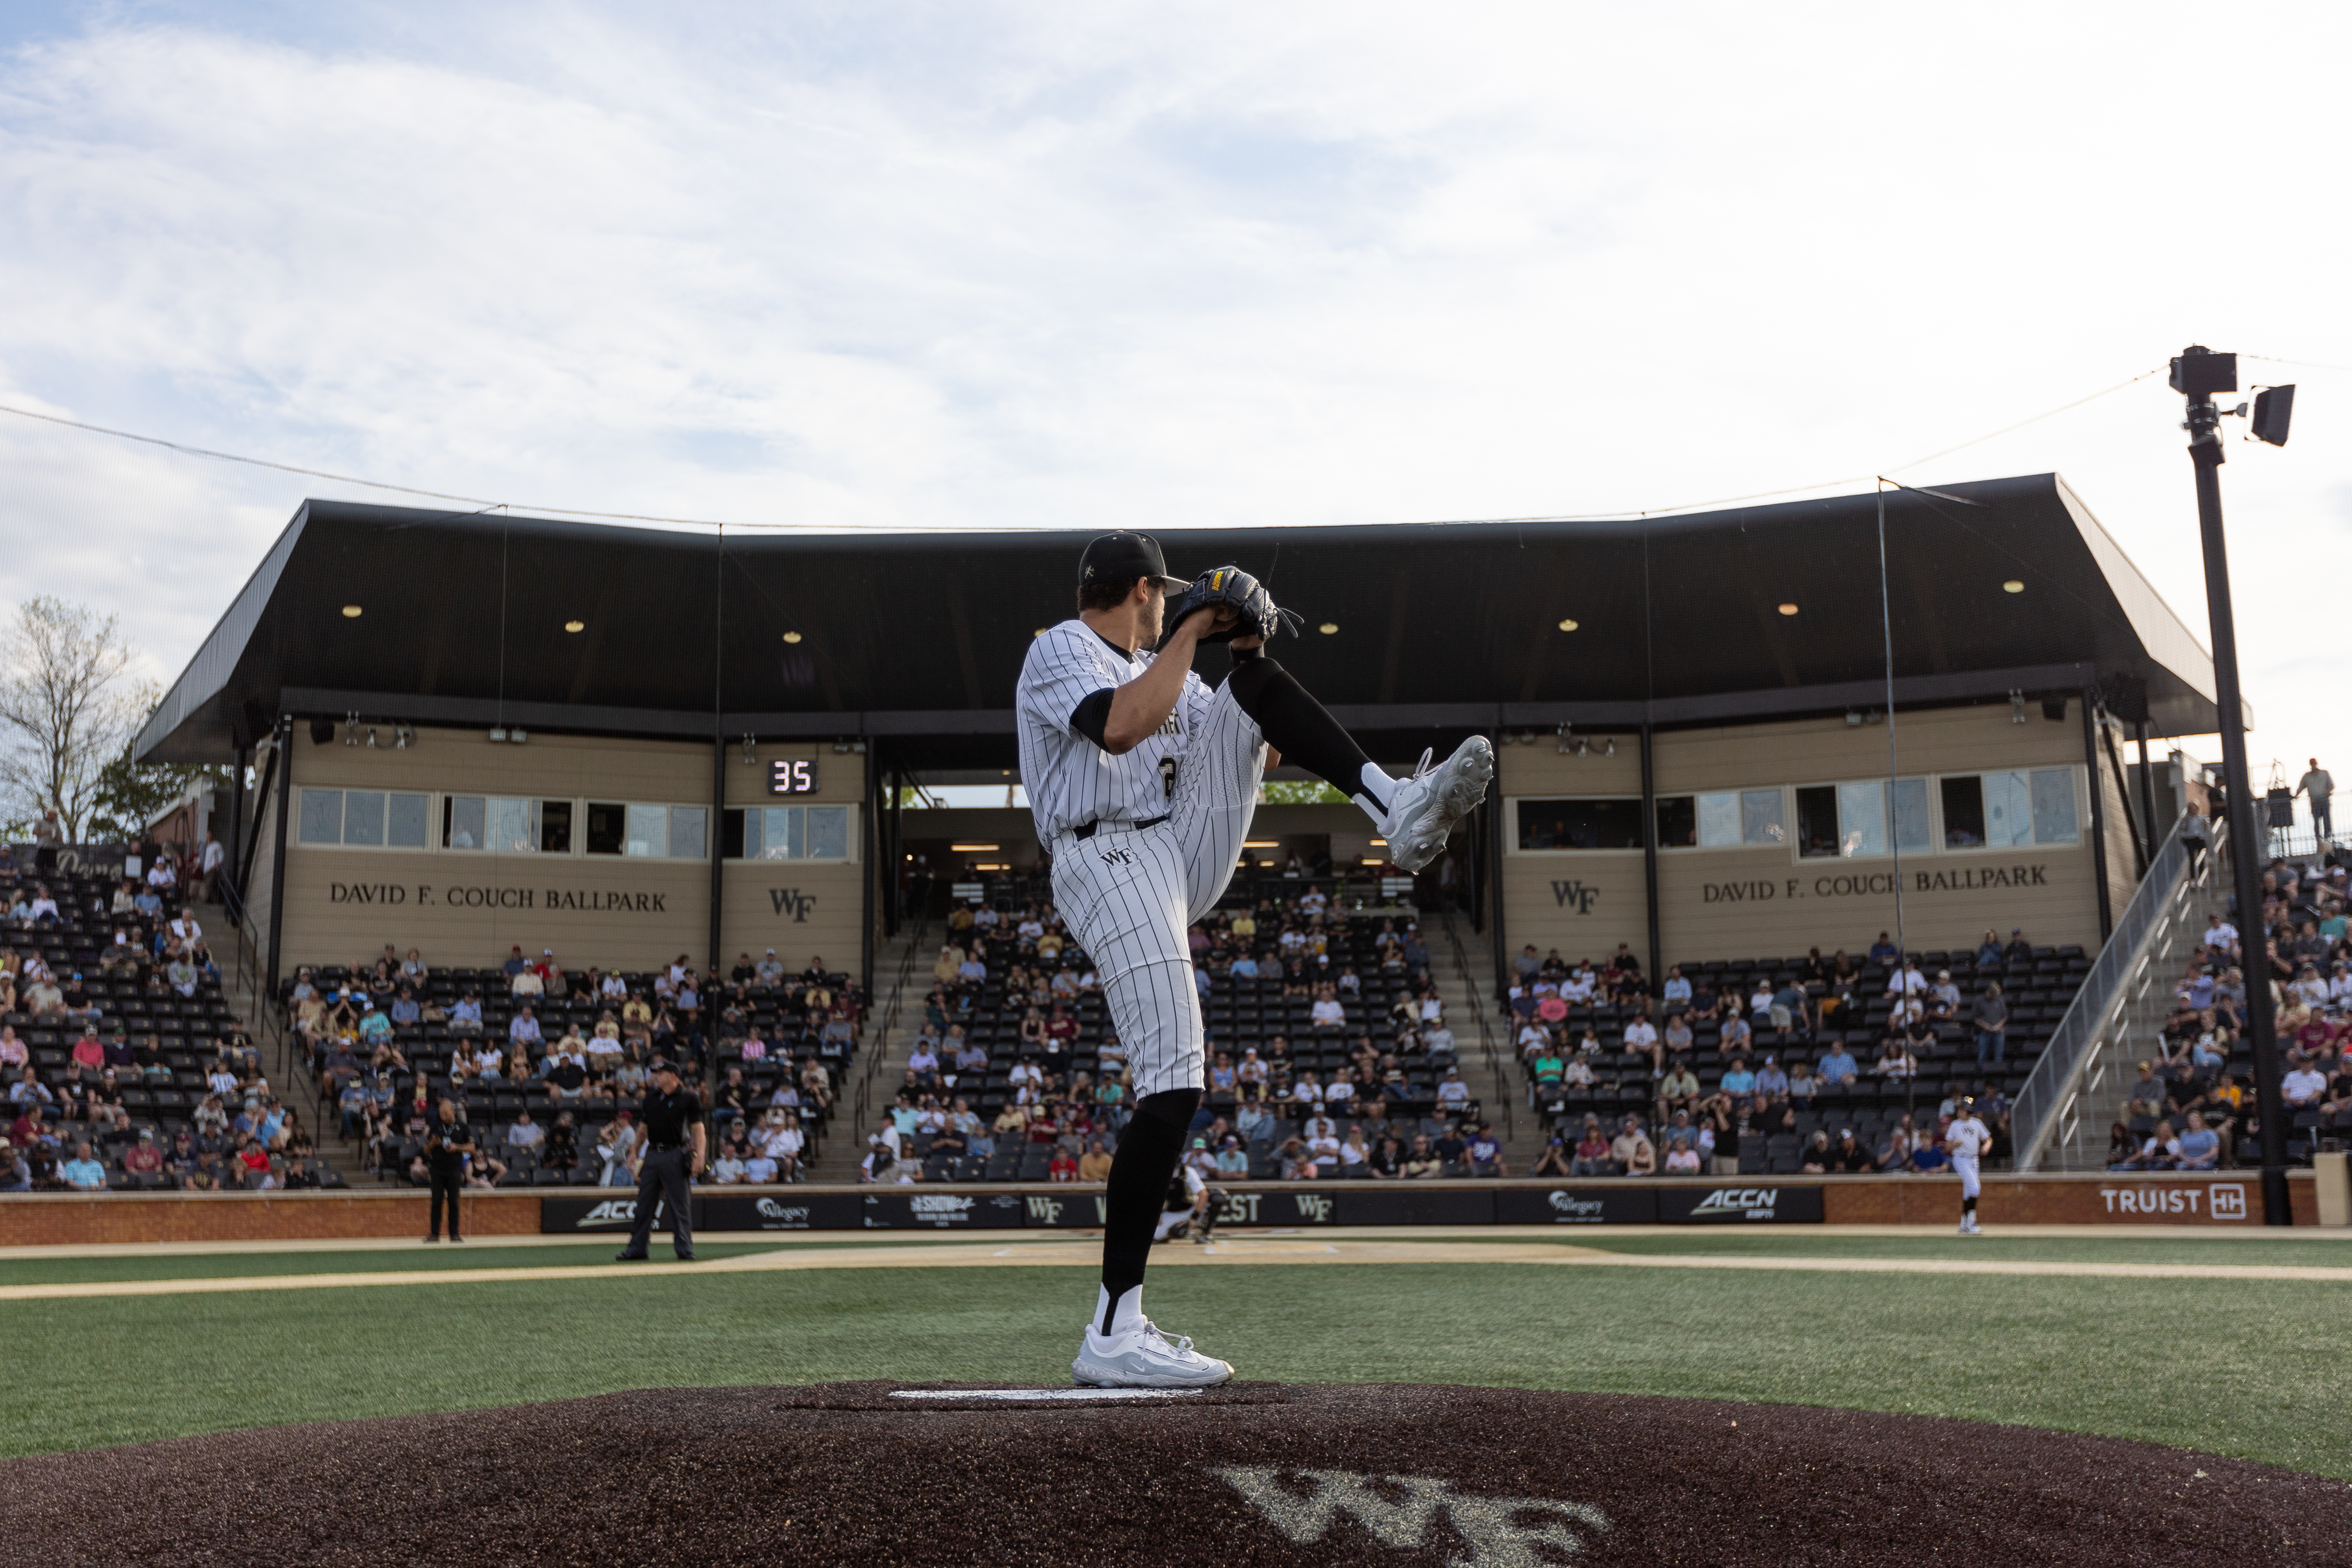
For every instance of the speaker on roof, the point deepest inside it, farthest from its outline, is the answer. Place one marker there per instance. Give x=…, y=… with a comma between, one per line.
x=322, y=732
x=2126, y=696
x=2273, y=406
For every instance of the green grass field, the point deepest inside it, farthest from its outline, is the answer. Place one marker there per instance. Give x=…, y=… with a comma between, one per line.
x=2234, y=1367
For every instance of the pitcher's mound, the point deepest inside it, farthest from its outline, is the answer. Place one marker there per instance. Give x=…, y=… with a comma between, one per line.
x=1389, y=1476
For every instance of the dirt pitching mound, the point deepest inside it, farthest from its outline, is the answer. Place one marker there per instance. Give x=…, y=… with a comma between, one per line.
x=1377, y=1476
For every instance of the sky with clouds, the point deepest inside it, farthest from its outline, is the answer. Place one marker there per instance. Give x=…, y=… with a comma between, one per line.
x=982, y=265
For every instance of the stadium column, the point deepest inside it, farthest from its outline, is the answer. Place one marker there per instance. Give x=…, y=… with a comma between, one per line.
x=870, y=835
x=2147, y=788
x=1498, y=813
x=285, y=758
x=717, y=844
x=235, y=848
x=2098, y=817
x=1650, y=854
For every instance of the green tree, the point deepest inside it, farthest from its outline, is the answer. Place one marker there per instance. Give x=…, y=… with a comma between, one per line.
x=1300, y=793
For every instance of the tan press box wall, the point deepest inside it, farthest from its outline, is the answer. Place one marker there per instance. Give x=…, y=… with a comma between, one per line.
x=1751, y=903
x=344, y=904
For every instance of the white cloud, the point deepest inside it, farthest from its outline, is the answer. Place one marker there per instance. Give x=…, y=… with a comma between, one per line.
x=981, y=267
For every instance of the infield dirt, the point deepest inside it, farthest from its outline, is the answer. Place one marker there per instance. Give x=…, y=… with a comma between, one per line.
x=1373, y=1474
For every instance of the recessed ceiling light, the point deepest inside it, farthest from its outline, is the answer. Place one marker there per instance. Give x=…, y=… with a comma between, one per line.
x=1788, y=609
x=792, y=636
x=351, y=611
x=1568, y=625
x=1328, y=628
x=975, y=849
x=2013, y=586
x=575, y=626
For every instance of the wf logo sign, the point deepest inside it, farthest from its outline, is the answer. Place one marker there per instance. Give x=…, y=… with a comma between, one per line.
x=1564, y=894
x=1118, y=857
x=1398, y=1511
x=793, y=902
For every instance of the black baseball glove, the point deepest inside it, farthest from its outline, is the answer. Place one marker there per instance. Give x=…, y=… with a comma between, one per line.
x=1231, y=585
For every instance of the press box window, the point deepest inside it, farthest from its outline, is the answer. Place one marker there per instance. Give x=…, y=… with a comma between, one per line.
x=506, y=825
x=654, y=833
x=2002, y=811
x=1850, y=820
x=787, y=834
x=1606, y=824
x=1736, y=817
x=376, y=819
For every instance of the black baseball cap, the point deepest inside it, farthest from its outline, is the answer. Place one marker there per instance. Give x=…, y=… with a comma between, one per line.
x=1122, y=557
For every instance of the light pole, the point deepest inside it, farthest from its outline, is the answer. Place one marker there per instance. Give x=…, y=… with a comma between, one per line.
x=2198, y=374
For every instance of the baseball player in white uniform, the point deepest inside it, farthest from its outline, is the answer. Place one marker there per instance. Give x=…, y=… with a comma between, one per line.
x=1967, y=1138
x=1143, y=780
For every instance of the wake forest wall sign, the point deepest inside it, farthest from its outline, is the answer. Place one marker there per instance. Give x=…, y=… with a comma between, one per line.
x=789, y=901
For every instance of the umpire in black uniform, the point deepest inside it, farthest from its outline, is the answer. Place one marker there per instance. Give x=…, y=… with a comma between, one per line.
x=671, y=1117
x=446, y=1144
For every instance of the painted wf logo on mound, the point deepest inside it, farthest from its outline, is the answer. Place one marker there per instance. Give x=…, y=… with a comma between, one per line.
x=1397, y=1512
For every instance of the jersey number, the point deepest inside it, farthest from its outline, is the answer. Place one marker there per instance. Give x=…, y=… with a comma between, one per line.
x=1168, y=778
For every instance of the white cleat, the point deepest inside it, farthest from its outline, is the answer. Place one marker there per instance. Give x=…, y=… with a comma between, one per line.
x=1427, y=805
x=1143, y=1357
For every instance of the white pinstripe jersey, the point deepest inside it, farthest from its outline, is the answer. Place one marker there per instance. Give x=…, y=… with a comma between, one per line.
x=1070, y=779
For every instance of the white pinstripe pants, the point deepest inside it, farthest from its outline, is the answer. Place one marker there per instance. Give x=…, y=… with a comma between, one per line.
x=1971, y=1183
x=1129, y=895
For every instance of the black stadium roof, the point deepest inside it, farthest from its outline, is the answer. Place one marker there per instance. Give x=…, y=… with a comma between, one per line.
x=1440, y=626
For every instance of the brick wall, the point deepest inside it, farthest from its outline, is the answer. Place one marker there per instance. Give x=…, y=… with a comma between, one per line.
x=46, y=1219
x=2153, y=1199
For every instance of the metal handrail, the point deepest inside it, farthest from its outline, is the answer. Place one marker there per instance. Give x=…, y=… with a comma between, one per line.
x=878, y=1047
x=1486, y=1033
x=268, y=1021
x=2051, y=1088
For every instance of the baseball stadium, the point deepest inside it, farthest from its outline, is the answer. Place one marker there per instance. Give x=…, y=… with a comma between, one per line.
x=1739, y=1052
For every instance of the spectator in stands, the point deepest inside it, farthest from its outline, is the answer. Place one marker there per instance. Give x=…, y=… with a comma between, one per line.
x=1677, y=992
x=1818, y=1154
x=2160, y=1151
x=466, y=1017
x=1739, y=1080
x=1678, y=1091
x=2303, y=1088
x=1851, y=1156
x=525, y=1139
x=1894, y=1058
x=1894, y=1149
x=2199, y=1147
x=1485, y=1152
x=1421, y=1163
x=1802, y=1084
x=2019, y=951
x=1990, y=1018
x=1736, y=1035
x=1630, y=1152
x=82, y=1172
x=1681, y=1159
x=1453, y=1094
x=1884, y=951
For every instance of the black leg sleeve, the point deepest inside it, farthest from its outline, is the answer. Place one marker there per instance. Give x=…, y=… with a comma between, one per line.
x=1298, y=726
x=1147, y=1151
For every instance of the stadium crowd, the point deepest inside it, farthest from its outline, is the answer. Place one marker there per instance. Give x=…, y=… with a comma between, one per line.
x=124, y=1069
x=546, y=1066
x=1812, y=1065
x=2191, y=1104
x=1329, y=1052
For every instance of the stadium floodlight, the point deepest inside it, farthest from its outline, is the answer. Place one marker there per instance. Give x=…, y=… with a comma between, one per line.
x=2198, y=374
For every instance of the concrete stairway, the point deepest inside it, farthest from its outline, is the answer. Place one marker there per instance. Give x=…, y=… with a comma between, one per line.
x=903, y=969
x=1462, y=962
x=278, y=1064
x=2135, y=1034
